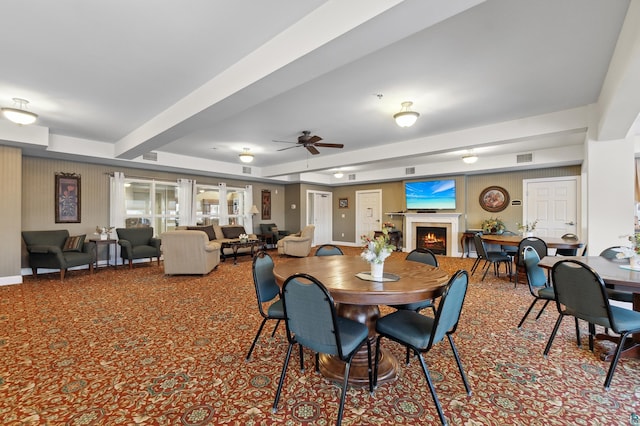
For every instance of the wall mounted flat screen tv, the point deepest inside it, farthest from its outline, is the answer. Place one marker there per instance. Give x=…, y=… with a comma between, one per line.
x=430, y=195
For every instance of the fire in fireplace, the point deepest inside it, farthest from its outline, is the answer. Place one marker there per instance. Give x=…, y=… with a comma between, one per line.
x=432, y=238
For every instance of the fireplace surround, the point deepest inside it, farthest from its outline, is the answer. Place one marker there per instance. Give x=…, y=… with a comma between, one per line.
x=445, y=220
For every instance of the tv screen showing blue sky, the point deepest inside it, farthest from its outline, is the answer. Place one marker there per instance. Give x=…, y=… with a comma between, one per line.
x=437, y=194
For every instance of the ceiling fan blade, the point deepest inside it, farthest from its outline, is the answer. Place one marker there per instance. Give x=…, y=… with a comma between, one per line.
x=275, y=140
x=312, y=149
x=313, y=139
x=289, y=147
x=330, y=145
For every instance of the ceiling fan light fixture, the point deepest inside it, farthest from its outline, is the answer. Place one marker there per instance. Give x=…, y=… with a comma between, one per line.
x=246, y=156
x=470, y=158
x=19, y=114
x=406, y=117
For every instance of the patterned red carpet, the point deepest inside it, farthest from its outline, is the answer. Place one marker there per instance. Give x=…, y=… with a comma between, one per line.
x=137, y=347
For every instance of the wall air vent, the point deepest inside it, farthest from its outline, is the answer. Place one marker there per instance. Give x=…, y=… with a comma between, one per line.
x=524, y=158
x=410, y=171
x=150, y=156
x=246, y=170
x=352, y=176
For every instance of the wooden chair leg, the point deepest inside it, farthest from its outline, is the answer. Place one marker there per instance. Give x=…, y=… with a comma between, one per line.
x=130, y=263
x=35, y=272
x=62, y=271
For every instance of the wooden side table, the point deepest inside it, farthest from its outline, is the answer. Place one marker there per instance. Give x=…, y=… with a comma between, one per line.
x=108, y=243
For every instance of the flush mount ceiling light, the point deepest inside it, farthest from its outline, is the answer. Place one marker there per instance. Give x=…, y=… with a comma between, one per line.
x=246, y=156
x=19, y=114
x=338, y=174
x=470, y=158
x=406, y=117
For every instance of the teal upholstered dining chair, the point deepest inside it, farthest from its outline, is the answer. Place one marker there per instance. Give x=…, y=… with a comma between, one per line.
x=420, y=333
x=538, y=244
x=312, y=322
x=538, y=284
x=329, y=250
x=494, y=258
x=267, y=291
x=581, y=293
x=427, y=257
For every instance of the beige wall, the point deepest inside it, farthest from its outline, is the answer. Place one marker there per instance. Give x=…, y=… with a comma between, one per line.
x=468, y=189
x=11, y=190
x=37, y=192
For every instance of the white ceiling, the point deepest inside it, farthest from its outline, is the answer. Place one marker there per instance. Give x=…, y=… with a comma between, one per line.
x=199, y=80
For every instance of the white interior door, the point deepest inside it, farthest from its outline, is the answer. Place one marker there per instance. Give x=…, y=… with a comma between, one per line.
x=554, y=203
x=368, y=212
x=319, y=212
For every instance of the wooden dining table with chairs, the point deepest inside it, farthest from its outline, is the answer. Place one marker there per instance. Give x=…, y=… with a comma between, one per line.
x=513, y=240
x=358, y=299
x=616, y=275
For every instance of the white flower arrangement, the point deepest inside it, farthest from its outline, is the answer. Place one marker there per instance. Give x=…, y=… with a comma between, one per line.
x=243, y=237
x=377, y=249
x=634, y=250
x=527, y=227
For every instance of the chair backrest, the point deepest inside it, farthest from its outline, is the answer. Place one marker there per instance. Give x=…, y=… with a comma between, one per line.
x=538, y=245
x=480, y=249
x=568, y=251
x=329, y=250
x=269, y=229
x=422, y=255
x=136, y=236
x=45, y=238
x=310, y=315
x=450, y=307
x=307, y=232
x=264, y=280
x=580, y=292
x=535, y=275
x=611, y=253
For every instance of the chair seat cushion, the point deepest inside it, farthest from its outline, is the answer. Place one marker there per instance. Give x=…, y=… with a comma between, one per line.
x=407, y=326
x=276, y=310
x=416, y=306
x=547, y=293
x=352, y=333
x=625, y=319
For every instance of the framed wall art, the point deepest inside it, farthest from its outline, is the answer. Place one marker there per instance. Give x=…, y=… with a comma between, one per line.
x=67, y=198
x=343, y=203
x=266, y=204
x=494, y=199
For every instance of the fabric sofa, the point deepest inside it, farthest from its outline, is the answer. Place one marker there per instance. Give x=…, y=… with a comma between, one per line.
x=57, y=250
x=298, y=245
x=189, y=252
x=222, y=234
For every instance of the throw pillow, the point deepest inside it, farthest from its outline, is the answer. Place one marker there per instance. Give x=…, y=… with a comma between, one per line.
x=274, y=230
x=206, y=229
x=233, y=231
x=74, y=243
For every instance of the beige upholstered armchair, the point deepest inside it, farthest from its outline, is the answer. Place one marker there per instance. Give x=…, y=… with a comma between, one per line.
x=297, y=245
x=189, y=252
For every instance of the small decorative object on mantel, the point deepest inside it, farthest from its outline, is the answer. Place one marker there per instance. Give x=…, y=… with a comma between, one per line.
x=376, y=250
x=527, y=228
x=493, y=226
x=104, y=231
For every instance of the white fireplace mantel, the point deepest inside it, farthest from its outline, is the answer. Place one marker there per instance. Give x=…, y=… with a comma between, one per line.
x=411, y=220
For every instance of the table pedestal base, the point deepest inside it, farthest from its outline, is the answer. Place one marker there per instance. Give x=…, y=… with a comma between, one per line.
x=332, y=367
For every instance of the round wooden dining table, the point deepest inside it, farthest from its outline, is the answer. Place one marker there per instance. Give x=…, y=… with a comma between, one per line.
x=358, y=299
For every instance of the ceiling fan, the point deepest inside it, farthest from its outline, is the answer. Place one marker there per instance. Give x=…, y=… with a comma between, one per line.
x=311, y=142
